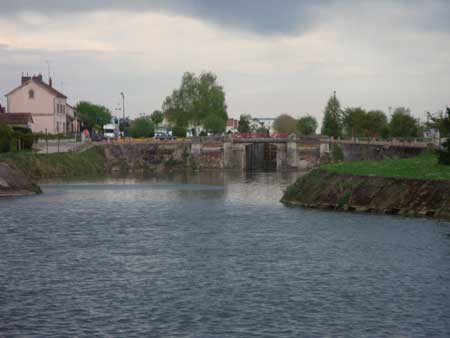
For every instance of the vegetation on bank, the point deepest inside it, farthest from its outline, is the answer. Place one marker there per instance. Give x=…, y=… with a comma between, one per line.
x=424, y=166
x=88, y=163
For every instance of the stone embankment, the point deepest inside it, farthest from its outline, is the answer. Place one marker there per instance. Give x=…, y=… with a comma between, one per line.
x=15, y=183
x=409, y=197
x=146, y=157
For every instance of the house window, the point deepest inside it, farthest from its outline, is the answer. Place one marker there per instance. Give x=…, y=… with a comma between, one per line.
x=31, y=94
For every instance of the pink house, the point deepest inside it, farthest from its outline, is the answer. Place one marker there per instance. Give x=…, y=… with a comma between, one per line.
x=47, y=106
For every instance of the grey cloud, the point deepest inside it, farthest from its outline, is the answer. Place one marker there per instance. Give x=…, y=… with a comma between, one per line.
x=271, y=17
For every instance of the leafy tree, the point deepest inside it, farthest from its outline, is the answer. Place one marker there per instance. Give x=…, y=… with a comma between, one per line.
x=332, y=119
x=402, y=124
x=244, y=123
x=142, y=127
x=214, y=124
x=196, y=101
x=438, y=121
x=93, y=116
x=157, y=117
x=377, y=124
x=354, y=121
x=444, y=153
x=307, y=125
x=285, y=124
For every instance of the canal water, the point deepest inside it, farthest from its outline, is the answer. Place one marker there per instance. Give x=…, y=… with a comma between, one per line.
x=214, y=255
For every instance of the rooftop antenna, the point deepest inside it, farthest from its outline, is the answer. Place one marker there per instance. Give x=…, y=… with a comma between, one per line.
x=48, y=62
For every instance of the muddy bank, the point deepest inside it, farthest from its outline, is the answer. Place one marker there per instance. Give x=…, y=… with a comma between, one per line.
x=409, y=197
x=14, y=183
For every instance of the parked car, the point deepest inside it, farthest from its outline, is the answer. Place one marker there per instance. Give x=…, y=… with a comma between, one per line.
x=164, y=136
x=97, y=137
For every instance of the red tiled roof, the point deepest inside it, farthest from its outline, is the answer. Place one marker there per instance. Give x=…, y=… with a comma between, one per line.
x=16, y=118
x=43, y=85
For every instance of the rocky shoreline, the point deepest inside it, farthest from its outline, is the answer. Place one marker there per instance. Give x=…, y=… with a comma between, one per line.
x=15, y=183
x=395, y=196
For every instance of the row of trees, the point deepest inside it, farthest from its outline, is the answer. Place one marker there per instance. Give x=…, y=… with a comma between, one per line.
x=357, y=122
x=306, y=125
x=94, y=117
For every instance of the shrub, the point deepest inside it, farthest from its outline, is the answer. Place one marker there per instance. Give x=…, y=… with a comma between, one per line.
x=6, y=135
x=25, y=136
x=444, y=153
x=179, y=131
x=337, y=155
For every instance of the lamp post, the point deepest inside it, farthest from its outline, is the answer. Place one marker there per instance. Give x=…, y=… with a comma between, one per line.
x=123, y=111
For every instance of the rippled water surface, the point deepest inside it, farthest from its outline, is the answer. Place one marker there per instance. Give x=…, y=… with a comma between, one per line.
x=214, y=256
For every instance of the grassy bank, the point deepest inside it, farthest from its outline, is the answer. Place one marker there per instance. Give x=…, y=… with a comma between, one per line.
x=424, y=166
x=88, y=163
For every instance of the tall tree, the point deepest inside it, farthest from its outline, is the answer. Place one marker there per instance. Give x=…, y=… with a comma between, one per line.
x=244, y=123
x=157, y=117
x=196, y=101
x=332, y=119
x=285, y=124
x=93, y=116
x=354, y=121
x=376, y=124
x=402, y=124
x=439, y=121
x=307, y=125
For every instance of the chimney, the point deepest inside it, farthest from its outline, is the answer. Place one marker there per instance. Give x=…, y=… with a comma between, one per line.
x=25, y=78
x=50, y=83
x=38, y=77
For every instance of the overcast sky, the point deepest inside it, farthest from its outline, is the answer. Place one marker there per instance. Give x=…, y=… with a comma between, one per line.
x=271, y=56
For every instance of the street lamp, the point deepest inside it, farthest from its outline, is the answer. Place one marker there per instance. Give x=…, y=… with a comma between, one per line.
x=123, y=111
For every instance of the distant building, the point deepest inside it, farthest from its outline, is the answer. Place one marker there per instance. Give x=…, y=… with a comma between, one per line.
x=232, y=126
x=48, y=107
x=266, y=122
x=72, y=123
x=432, y=133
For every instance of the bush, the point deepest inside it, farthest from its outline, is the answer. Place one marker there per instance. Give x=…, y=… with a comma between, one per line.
x=337, y=155
x=25, y=136
x=444, y=153
x=179, y=131
x=6, y=135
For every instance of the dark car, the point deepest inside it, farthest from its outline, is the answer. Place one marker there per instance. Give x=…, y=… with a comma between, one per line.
x=97, y=137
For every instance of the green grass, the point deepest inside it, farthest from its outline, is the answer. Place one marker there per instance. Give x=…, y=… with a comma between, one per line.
x=424, y=166
x=88, y=163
